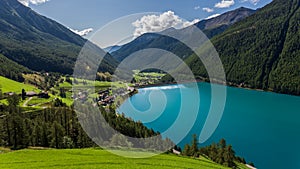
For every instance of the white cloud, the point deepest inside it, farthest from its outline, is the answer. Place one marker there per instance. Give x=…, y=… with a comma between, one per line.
x=213, y=16
x=187, y=23
x=157, y=23
x=35, y=2
x=255, y=2
x=197, y=7
x=83, y=32
x=224, y=4
x=208, y=10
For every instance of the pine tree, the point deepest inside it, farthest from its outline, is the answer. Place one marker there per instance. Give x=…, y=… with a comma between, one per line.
x=229, y=157
x=194, y=146
x=23, y=94
x=187, y=150
x=57, y=135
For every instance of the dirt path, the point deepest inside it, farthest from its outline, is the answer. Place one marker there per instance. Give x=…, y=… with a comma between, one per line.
x=26, y=102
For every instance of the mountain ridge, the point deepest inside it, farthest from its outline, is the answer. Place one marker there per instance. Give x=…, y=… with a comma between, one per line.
x=39, y=43
x=210, y=27
x=261, y=51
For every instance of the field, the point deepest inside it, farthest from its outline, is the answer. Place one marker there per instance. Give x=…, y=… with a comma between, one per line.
x=8, y=85
x=96, y=158
x=147, y=77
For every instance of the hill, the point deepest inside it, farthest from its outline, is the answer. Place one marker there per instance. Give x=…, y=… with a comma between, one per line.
x=210, y=27
x=217, y=25
x=39, y=43
x=112, y=49
x=11, y=69
x=261, y=51
x=8, y=85
x=92, y=158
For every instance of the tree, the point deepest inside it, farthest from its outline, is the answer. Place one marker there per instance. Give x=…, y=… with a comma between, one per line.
x=23, y=94
x=58, y=103
x=221, y=152
x=222, y=143
x=1, y=95
x=68, y=79
x=187, y=150
x=177, y=148
x=67, y=142
x=229, y=157
x=37, y=135
x=62, y=93
x=19, y=133
x=194, y=147
x=57, y=135
x=13, y=101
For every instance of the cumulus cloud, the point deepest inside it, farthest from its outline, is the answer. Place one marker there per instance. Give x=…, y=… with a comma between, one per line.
x=34, y=2
x=83, y=32
x=157, y=23
x=208, y=10
x=188, y=23
x=255, y=2
x=213, y=16
x=197, y=7
x=224, y=4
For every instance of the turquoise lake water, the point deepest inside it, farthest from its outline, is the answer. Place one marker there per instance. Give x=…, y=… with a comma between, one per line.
x=263, y=127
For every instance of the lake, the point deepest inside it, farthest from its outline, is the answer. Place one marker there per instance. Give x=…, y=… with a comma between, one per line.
x=263, y=127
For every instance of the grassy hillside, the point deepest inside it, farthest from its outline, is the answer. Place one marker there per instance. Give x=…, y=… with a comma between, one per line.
x=92, y=158
x=8, y=85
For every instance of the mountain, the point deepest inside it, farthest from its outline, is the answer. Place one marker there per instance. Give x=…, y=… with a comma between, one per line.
x=39, y=43
x=11, y=69
x=112, y=49
x=210, y=27
x=262, y=51
x=227, y=18
x=217, y=25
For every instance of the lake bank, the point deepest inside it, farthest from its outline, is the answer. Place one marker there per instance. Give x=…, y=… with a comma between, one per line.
x=264, y=120
x=228, y=84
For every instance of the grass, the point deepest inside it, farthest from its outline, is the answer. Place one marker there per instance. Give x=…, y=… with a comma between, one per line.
x=38, y=101
x=8, y=85
x=95, y=158
x=150, y=77
x=98, y=85
x=89, y=83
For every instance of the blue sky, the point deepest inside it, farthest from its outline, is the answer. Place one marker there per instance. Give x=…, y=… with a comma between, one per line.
x=94, y=14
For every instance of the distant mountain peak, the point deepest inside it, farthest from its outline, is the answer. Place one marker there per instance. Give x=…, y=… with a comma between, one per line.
x=210, y=27
x=227, y=18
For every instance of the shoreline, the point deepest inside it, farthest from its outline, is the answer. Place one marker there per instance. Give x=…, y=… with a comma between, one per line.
x=228, y=84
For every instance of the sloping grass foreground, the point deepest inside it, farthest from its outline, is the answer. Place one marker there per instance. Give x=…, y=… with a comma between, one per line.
x=8, y=85
x=94, y=158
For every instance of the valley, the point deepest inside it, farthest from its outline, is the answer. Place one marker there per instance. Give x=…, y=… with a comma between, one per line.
x=59, y=109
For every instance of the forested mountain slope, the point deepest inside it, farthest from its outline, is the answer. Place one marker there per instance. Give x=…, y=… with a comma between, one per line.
x=39, y=43
x=261, y=51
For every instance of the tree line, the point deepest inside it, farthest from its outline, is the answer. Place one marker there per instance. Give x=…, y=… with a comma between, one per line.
x=59, y=127
x=220, y=153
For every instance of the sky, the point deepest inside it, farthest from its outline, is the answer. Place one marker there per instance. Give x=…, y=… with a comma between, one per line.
x=91, y=18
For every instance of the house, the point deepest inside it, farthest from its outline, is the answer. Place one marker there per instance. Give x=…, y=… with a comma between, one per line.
x=9, y=94
x=176, y=152
x=31, y=94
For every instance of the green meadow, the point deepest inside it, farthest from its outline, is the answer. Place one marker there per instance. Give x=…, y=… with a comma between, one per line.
x=96, y=158
x=8, y=85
